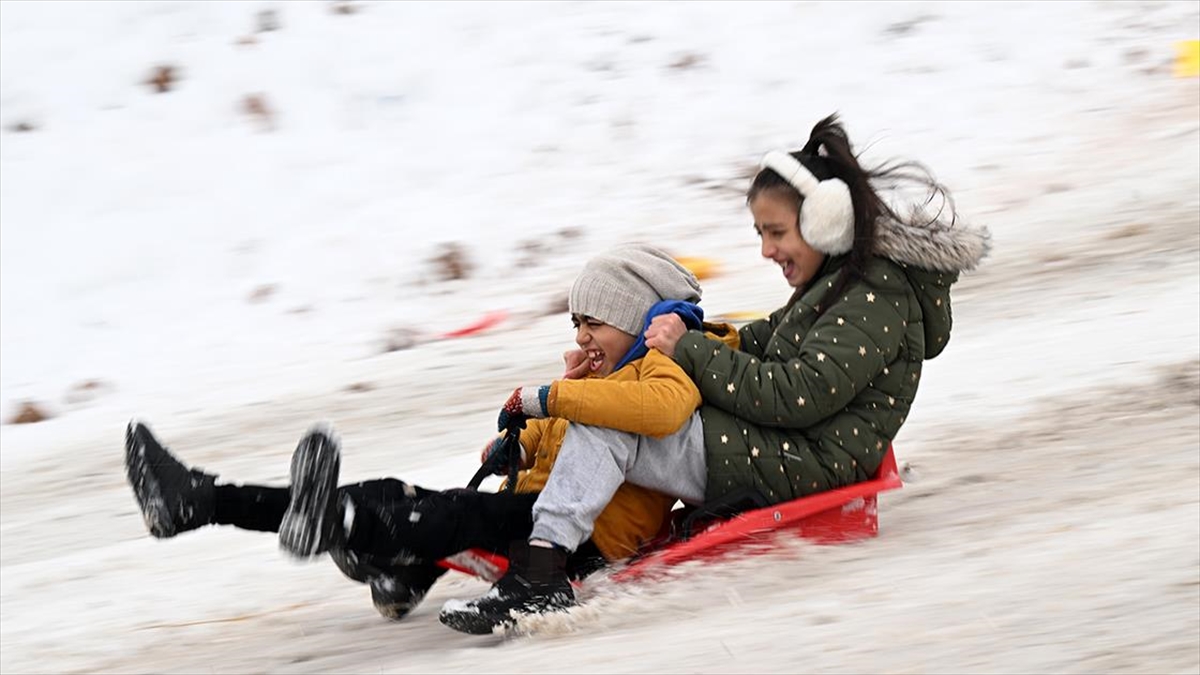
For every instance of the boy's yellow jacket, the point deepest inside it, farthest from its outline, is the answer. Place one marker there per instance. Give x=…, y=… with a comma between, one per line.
x=651, y=396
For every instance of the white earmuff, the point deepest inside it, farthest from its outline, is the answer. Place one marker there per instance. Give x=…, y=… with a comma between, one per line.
x=827, y=212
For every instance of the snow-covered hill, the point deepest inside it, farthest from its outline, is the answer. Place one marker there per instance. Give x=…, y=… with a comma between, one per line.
x=230, y=260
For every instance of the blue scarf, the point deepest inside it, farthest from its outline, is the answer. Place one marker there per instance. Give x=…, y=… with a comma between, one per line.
x=691, y=313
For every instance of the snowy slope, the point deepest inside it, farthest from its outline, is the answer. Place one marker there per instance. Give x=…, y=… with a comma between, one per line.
x=231, y=281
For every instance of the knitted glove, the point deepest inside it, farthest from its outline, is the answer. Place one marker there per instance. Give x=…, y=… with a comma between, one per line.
x=525, y=402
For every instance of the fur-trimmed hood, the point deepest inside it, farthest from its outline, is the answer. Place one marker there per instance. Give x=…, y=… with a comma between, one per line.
x=932, y=256
x=936, y=247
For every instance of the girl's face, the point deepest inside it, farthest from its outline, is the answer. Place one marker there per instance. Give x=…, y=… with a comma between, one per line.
x=605, y=346
x=777, y=224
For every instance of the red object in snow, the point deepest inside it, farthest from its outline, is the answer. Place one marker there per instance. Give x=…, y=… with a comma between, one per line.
x=478, y=563
x=490, y=319
x=835, y=516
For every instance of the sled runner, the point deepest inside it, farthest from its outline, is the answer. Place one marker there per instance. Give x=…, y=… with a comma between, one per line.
x=835, y=516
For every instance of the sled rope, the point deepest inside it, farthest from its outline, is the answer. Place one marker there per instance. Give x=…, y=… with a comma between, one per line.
x=510, y=453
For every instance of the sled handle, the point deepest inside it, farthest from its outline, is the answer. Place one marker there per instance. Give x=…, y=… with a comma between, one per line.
x=509, y=451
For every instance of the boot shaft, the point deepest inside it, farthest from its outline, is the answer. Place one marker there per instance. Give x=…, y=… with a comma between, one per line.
x=541, y=568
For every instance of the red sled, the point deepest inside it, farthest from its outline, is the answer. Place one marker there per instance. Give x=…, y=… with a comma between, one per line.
x=832, y=517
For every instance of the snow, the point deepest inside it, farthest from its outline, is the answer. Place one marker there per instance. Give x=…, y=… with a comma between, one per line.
x=232, y=282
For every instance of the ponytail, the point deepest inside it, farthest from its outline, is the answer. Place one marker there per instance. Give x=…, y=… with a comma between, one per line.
x=829, y=154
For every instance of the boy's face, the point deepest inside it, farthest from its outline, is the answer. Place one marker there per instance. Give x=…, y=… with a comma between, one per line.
x=605, y=345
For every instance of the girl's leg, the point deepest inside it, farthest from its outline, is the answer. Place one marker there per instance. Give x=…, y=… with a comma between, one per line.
x=250, y=507
x=399, y=531
x=396, y=589
x=394, y=520
x=172, y=497
x=391, y=519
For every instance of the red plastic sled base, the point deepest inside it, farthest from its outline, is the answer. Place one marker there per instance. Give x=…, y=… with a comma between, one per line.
x=845, y=514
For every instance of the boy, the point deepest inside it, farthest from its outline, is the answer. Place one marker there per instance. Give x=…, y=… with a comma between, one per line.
x=390, y=534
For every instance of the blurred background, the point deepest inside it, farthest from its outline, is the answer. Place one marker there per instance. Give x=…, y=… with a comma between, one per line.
x=233, y=219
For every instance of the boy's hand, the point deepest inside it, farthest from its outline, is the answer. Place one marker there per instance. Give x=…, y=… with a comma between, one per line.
x=576, y=361
x=664, y=333
x=524, y=402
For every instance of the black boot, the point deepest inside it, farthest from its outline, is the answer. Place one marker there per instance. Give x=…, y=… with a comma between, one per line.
x=536, y=582
x=398, y=592
x=172, y=498
x=395, y=589
x=312, y=523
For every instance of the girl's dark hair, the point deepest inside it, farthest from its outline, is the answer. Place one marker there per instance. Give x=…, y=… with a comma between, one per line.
x=828, y=154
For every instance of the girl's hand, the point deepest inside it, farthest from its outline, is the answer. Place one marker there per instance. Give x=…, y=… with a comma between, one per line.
x=492, y=445
x=576, y=361
x=664, y=333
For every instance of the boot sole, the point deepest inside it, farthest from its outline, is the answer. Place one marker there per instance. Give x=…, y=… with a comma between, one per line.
x=395, y=592
x=415, y=579
x=474, y=622
x=384, y=597
x=306, y=528
x=146, y=488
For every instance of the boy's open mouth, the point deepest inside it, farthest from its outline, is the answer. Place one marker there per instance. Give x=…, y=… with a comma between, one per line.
x=595, y=359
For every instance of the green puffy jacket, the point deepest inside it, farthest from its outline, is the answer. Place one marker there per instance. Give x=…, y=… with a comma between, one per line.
x=811, y=402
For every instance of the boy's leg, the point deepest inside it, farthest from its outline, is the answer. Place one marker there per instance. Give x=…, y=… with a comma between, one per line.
x=594, y=461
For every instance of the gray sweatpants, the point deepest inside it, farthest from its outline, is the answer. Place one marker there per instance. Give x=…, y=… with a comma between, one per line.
x=594, y=461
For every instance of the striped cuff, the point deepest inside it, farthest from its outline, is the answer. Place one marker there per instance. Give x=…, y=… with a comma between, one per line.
x=533, y=400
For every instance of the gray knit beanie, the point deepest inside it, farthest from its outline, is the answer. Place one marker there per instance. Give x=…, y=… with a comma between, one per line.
x=620, y=286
